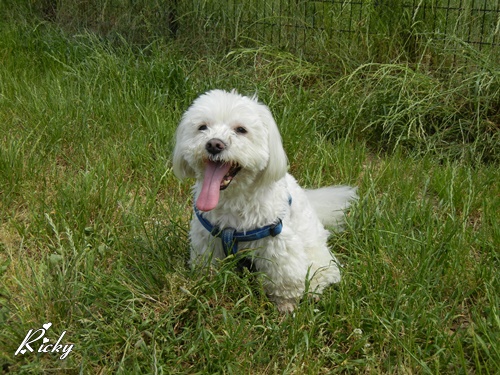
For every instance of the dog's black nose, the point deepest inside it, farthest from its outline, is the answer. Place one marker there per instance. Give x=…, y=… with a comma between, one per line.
x=215, y=146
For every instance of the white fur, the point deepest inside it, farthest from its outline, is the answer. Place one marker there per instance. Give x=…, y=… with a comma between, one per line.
x=258, y=195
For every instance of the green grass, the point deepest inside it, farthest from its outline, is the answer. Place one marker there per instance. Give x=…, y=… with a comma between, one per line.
x=93, y=236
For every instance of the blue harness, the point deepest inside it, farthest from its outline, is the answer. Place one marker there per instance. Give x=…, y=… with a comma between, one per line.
x=230, y=237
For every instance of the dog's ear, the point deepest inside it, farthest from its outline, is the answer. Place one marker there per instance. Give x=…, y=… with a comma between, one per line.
x=181, y=167
x=277, y=166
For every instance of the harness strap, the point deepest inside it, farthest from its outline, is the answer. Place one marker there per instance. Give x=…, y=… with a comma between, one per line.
x=230, y=237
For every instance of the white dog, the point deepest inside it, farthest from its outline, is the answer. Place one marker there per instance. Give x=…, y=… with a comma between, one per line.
x=244, y=198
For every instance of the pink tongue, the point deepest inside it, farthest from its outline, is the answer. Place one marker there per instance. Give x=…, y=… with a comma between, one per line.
x=210, y=191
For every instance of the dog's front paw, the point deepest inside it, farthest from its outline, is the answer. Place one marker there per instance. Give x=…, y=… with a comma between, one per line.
x=285, y=306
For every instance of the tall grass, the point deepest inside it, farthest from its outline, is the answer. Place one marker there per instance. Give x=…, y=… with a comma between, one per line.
x=93, y=236
x=390, y=105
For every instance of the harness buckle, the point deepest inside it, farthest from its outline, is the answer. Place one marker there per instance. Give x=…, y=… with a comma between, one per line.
x=228, y=241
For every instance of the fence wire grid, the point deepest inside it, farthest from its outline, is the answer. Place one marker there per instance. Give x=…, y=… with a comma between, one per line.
x=476, y=22
x=304, y=26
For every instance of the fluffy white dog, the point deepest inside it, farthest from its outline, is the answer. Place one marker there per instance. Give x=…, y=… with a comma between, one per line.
x=244, y=198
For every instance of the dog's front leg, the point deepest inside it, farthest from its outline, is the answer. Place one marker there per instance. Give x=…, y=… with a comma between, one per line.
x=285, y=267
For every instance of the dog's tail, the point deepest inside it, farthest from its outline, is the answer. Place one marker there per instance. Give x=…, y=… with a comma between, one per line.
x=331, y=202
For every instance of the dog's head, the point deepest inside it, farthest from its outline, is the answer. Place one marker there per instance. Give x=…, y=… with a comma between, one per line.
x=227, y=139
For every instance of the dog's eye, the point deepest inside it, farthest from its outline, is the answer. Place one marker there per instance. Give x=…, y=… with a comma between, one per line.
x=202, y=127
x=241, y=130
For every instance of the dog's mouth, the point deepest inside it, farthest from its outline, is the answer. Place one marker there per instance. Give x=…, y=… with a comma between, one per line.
x=228, y=177
x=217, y=177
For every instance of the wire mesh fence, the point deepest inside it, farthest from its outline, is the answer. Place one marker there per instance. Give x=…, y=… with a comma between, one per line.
x=304, y=26
x=297, y=23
